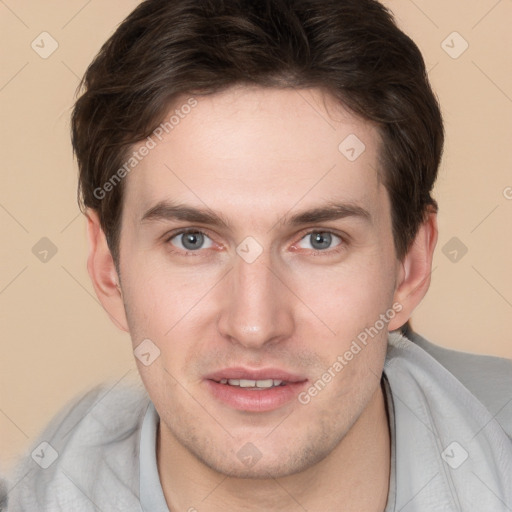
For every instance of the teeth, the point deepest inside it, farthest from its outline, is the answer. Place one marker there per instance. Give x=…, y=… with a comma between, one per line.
x=248, y=383
x=268, y=383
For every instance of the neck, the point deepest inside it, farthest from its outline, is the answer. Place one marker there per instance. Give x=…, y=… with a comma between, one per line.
x=353, y=477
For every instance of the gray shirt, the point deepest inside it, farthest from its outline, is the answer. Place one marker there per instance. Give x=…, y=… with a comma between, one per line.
x=451, y=437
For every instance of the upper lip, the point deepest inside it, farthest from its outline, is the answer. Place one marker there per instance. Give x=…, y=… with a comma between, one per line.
x=255, y=374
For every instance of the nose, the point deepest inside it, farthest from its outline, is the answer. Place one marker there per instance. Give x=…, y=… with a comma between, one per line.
x=258, y=305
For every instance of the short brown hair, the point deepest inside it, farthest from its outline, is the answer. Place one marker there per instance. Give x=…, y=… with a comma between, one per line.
x=350, y=48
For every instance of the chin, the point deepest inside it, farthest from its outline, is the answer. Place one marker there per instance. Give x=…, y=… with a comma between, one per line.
x=250, y=462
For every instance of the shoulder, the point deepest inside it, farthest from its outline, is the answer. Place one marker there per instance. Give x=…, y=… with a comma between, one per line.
x=84, y=447
x=488, y=378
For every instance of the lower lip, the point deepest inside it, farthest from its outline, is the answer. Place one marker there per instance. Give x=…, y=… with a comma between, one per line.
x=254, y=400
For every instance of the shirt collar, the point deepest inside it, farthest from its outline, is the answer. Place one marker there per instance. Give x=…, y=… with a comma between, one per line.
x=151, y=494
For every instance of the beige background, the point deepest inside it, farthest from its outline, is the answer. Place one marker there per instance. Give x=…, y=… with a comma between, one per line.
x=57, y=340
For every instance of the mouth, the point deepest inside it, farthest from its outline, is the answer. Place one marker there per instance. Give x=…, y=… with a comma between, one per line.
x=254, y=385
x=254, y=390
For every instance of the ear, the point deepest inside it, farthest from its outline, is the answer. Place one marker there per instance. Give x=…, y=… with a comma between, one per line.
x=103, y=273
x=415, y=271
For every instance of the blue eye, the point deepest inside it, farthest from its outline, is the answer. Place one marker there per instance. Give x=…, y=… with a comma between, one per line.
x=190, y=240
x=321, y=240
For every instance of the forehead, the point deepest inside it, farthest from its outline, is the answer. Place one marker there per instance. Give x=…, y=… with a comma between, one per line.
x=258, y=149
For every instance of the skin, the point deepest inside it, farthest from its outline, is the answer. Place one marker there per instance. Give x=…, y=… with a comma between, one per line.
x=257, y=156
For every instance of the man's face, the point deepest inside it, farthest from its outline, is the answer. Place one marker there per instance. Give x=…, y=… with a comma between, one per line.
x=218, y=309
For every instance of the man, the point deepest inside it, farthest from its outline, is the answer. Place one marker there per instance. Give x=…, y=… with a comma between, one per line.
x=257, y=183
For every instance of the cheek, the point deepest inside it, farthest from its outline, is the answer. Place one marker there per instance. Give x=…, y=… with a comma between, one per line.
x=159, y=296
x=350, y=296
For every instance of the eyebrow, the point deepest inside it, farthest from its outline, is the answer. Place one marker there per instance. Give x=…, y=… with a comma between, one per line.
x=168, y=210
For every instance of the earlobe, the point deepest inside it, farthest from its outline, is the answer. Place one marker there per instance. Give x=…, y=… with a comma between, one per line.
x=103, y=273
x=415, y=271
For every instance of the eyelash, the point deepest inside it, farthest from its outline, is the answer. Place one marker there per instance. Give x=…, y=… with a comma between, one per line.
x=327, y=252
